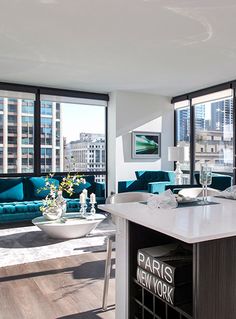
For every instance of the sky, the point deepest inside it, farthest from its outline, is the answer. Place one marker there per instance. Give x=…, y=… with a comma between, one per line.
x=78, y=118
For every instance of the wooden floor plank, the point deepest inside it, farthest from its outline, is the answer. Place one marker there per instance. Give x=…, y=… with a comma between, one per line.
x=62, y=288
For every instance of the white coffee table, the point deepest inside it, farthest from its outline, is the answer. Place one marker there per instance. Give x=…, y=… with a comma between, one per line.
x=73, y=227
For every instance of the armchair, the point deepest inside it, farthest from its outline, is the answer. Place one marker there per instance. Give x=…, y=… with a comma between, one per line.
x=147, y=181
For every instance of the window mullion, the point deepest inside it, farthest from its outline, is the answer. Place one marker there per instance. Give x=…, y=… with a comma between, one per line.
x=37, y=135
x=192, y=142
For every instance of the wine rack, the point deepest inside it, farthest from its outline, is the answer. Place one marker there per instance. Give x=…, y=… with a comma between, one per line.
x=146, y=305
x=143, y=304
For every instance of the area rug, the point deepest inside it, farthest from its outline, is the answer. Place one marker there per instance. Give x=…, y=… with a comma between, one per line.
x=29, y=244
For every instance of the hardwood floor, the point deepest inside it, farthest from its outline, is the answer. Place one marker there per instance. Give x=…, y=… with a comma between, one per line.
x=62, y=288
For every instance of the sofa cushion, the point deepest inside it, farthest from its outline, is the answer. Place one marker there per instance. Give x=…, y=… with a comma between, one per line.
x=37, y=183
x=220, y=182
x=11, y=189
x=152, y=176
x=77, y=190
x=20, y=207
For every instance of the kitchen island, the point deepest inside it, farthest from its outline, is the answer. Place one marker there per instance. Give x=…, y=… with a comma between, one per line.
x=209, y=231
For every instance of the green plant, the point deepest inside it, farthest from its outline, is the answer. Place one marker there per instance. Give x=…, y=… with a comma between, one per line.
x=67, y=185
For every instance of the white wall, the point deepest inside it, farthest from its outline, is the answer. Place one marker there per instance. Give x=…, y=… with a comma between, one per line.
x=111, y=142
x=140, y=112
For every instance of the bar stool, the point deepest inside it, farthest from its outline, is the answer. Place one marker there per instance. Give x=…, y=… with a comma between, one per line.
x=114, y=199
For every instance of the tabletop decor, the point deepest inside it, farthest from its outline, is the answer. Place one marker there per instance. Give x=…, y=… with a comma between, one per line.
x=83, y=204
x=205, y=180
x=178, y=154
x=92, y=203
x=164, y=200
x=229, y=192
x=54, y=205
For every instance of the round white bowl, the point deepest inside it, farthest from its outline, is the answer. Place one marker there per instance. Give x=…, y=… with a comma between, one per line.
x=73, y=227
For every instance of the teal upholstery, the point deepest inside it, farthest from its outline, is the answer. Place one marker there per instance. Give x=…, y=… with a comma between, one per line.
x=21, y=201
x=147, y=181
x=36, y=185
x=131, y=186
x=219, y=181
x=152, y=176
x=78, y=189
x=11, y=189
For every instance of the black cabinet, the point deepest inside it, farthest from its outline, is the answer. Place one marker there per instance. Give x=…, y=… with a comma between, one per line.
x=214, y=279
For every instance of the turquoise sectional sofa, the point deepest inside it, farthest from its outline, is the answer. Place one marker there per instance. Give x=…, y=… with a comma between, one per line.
x=21, y=198
x=148, y=181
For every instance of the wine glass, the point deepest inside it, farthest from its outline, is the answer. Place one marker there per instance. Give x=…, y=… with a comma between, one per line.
x=205, y=180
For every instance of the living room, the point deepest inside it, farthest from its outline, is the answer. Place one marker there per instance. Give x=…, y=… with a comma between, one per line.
x=117, y=132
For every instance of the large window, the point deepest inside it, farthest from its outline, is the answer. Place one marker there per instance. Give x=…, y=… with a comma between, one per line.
x=71, y=135
x=209, y=132
x=16, y=132
x=74, y=134
x=214, y=131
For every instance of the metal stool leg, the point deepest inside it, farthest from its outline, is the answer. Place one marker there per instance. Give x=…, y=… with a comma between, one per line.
x=107, y=274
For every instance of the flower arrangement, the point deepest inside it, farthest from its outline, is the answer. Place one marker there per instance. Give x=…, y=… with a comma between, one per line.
x=54, y=199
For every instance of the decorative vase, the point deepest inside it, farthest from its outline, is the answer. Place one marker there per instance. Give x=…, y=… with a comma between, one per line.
x=61, y=202
x=53, y=213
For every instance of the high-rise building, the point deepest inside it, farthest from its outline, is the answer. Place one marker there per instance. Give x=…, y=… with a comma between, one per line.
x=200, y=112
x=52, y=156
x=183, y=118
x=221, y=114
x=86, y=154
x=17, y=136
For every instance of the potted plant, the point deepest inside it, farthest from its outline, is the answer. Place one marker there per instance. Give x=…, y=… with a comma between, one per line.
x=54, y=205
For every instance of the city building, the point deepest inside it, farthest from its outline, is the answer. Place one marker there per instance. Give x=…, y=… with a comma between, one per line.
x=221, y=114
x=52, y=156
x=200, y=121
x=87, y=154
x=212, y=148
x=183, y=132
x=213, y=133
x=17, y=136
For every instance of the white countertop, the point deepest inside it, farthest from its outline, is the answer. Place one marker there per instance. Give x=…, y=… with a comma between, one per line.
x=189, y=224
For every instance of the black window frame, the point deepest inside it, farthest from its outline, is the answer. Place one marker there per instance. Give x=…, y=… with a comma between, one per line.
x=42, y=90
x=189, y=96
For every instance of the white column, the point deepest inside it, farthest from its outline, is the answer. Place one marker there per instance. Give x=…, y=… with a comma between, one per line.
x=19, y=136
x=5, y=135
x=111, y=142
x=54, y=136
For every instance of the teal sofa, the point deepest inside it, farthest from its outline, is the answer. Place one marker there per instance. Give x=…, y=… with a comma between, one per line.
x=21, y=198
x=219, y=181
x=148, y=181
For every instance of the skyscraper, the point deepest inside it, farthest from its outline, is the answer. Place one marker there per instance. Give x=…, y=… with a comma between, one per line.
x=183, y=116
x=221, y=114
x=52, y=157
x=200, y=113
x=17, y=136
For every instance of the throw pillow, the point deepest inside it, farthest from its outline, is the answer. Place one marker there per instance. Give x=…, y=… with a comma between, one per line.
x=11, y=189
x=37, y=183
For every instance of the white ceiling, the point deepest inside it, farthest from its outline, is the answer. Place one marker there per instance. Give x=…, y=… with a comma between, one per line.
x=167, y=47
